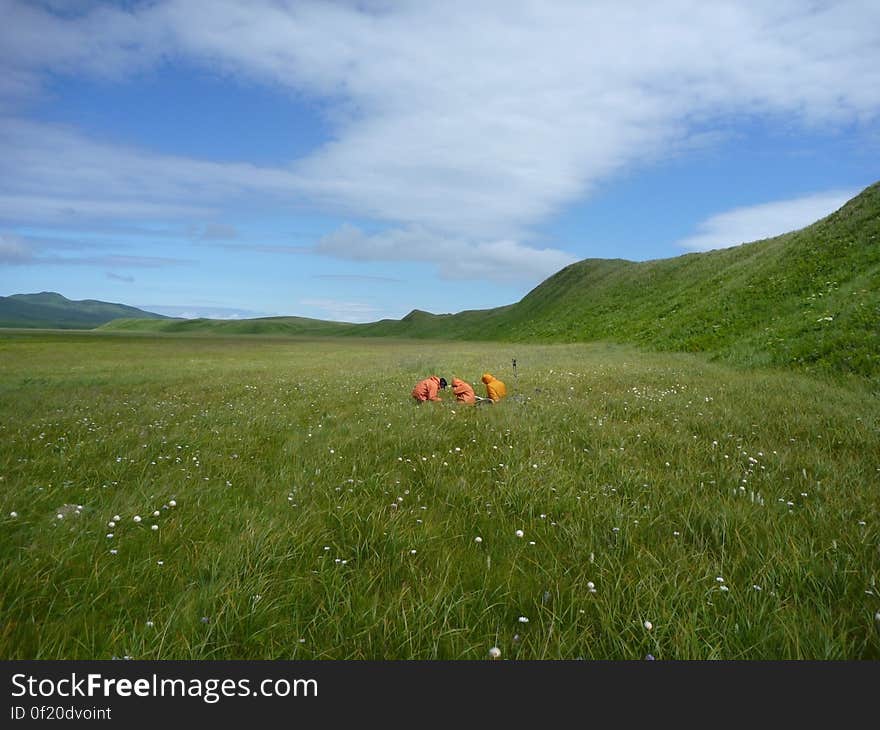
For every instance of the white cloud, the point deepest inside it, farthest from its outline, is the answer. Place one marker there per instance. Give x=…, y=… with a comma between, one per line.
x=198, y=311
x=754, y=223
x=460, y=122
x=486, y=118
x=454, y=258
x=343, y=311
x=48, y=172
x=30, y=250
x=120, y=277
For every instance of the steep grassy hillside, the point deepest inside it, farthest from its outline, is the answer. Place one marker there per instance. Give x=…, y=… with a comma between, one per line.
x=809, y=298
x=54, y=311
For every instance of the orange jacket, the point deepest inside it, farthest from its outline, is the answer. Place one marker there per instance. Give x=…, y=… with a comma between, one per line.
x=427, y=389
x=495, y=389
x=463, y=391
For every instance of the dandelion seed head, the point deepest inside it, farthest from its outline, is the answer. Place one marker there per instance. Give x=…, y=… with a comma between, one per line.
x=154, y=527
x=137, y=518
x=494, y=653
x=648, y=625
x=478, y=539
x=519, y=533
x=13, y=515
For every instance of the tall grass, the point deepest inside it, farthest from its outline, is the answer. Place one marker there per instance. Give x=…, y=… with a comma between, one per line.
x=307, y=509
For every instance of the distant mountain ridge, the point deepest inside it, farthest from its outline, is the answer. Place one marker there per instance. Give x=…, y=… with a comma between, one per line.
x=50, y=310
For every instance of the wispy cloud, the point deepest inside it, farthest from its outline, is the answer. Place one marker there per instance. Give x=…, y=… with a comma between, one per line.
x=120, y=277
x=267, y=248
x=198, y=311
x=357, y=277
x=218, y=232
x=453, y=257
x=31, y=250
x=343, y=311
x=754, y=223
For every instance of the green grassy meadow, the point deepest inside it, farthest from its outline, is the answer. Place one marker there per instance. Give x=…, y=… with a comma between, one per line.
x=306, y=508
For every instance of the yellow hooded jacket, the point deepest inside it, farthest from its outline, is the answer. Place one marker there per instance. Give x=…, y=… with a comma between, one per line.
x=495, y=389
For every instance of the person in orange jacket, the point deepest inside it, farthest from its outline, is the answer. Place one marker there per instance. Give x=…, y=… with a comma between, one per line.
x=495, y=389
x=464, y=393
x=428, y=389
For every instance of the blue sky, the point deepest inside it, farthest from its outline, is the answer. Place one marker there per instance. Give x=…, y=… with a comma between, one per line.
x=357, y=160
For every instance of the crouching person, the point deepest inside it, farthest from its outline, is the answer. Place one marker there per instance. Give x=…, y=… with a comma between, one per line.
x=464, y=393
x=428, y=389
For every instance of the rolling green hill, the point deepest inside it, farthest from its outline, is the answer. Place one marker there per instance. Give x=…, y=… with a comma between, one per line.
x=54, y=311
x=809, y=298
x=261, y=326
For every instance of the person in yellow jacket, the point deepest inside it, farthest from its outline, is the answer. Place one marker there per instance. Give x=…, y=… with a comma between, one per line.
x=495, y=389
x=464, y=393
x=428, y=389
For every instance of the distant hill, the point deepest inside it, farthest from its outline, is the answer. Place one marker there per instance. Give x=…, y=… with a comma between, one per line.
x=277, y=326
x=809, y=298
x=53, y=311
